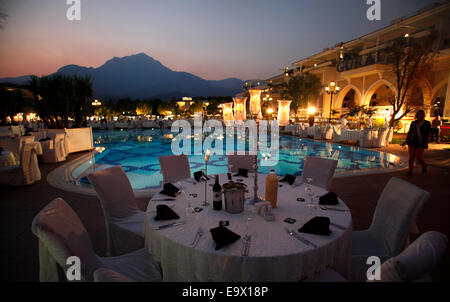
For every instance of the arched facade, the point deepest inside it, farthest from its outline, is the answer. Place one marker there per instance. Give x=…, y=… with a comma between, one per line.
x=343, y=94
x=373, y=88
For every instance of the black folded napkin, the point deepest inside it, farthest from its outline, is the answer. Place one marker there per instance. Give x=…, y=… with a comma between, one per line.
x=290, y=179
x=170, y=190
x=242, y=172
x=317, y=225
x=163, y=212
x=198, y=176
x=329, y=199
x=223, y=236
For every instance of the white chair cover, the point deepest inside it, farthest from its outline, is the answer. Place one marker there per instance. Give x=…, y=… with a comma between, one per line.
x=107, y=275
x=241, y=162
x=397, y=208
x=328, y=134
x=58, y=153
x=366, y=139
x=28, y=171
x=320, y=170
x=61, y=235
x=336, y=133
x=174, y=168
x=415, y=263
x=318, y=132
x=302, y=130
x=124, y=221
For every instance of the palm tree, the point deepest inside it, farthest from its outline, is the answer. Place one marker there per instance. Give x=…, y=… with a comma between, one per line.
x=84, y=91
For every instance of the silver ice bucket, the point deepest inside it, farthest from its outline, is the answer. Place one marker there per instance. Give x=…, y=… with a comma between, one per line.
x=234, y=194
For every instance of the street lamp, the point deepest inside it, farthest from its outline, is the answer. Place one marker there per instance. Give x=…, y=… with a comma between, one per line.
x=332, y=89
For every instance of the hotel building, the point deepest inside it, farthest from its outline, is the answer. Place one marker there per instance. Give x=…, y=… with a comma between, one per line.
x=365, y=76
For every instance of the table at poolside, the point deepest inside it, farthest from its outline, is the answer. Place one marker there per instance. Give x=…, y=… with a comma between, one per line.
x=7, y=159
x=351, y=135
x=274, y=255
x=15, y=144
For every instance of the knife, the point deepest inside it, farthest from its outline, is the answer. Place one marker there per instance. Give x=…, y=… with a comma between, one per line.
x=166, y=199
x=338, y=226
x=169, y=225
x=304, y=239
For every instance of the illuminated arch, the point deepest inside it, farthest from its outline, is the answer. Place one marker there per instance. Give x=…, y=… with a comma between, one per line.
x=343, y=94
x=374, y=87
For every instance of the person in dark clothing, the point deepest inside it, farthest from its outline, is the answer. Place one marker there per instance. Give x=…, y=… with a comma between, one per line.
x=417, y=141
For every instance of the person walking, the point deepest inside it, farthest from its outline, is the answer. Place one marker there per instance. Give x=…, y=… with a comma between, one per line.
x=417, y=141
x=435, y=128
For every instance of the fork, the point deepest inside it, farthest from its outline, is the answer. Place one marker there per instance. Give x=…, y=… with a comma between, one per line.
x=325, y=208
x=297, y=236
x=246, y=245
x=197, y=237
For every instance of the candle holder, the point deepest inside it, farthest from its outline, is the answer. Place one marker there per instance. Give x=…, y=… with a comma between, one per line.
x=255, y=198
x=207, y=155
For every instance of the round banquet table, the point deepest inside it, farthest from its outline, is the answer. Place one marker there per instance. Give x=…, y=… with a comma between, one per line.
x=7, y=159
x=273, y=256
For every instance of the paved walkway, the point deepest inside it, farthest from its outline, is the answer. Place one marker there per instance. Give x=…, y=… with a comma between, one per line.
x=19, y=248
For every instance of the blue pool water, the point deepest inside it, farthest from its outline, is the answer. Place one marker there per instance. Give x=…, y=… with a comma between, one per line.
x=137, y=151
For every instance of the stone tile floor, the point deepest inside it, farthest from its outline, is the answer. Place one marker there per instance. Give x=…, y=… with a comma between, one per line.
x=19, y=247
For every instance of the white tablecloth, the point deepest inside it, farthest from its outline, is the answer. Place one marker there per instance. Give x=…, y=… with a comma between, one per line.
x=274, y=255
x=350, y=135
x=311, y=131
x=7, y=159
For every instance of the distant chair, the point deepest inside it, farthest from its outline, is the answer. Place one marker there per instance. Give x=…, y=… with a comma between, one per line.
x=328, y=132
x=414, y=264
x=397, y=209
x=124, y=221
x=366, y=138
x=320, y=170
x=337, y=133
x=58, y=152
x=174, y=168
x=27, y=172
x=237, y=162
x=318, y=132
x=302, y=130
x=62, y=235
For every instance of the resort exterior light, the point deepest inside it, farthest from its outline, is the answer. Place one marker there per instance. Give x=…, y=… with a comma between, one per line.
x=227, y=111
x=332, y=89
x=240, y=111
x=311, y=110
x=255, y=102
x=96, y=103
x=283, y=112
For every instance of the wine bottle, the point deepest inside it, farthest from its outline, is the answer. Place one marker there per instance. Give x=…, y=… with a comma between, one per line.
x=217, y=195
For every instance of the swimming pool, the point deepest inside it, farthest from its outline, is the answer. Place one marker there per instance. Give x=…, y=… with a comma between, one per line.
x=137, y=151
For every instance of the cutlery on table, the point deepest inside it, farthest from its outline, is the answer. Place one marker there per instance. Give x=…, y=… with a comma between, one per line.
x=246, y=245
x=197, y=237
x=170, y=225
x=165, y=199
x=292, y=233
x=325, y=208
x=338, y=226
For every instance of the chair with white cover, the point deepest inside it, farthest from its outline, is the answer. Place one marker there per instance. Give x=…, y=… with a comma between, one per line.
x=318, y=132
x=397, y=208
x=302, y=131
x=366, y=138
x=174, y=168
x=237, y=162
x=107, y=275
x=124, y=221
x=328, y=133
x=414, y=264
x=58, y=152
x=382, y=137
x=320, y=170
x=336, y=133
x=62, y=235
x=27, y=172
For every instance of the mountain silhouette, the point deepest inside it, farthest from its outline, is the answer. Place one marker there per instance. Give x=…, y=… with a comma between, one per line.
x=141, y=76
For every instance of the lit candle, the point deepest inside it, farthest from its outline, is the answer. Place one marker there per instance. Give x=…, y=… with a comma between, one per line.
x=207, y=155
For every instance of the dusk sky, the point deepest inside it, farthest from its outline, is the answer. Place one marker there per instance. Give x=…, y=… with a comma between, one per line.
x=214, y=39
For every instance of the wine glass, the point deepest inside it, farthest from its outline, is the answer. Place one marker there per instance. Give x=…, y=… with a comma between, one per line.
x=190, y=212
